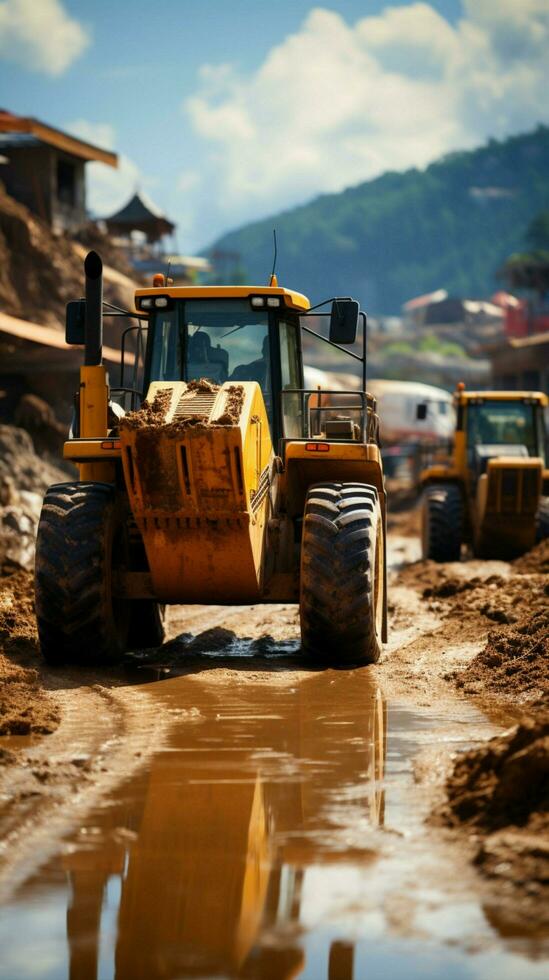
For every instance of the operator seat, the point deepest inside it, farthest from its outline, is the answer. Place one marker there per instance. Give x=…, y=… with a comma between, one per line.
x=255, y=370
x=205, y=361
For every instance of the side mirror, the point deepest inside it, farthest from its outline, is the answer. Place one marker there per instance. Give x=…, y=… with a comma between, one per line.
x=421, y=411
x=344, y=321
x=75, y=322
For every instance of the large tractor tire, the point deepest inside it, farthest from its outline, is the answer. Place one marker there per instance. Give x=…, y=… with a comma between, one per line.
x=81, y=541
x=442, y=522
x=146, y=624
x=342, y=573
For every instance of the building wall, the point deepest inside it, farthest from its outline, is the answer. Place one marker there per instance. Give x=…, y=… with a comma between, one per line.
x=68, y=204
x=518, y=368
x=38, y=177
x=27, y=177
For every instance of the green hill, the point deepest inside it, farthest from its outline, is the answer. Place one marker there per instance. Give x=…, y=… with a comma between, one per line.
x=403, y=234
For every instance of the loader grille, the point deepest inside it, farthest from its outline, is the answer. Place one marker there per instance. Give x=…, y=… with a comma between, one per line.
x=514, y=491
x=190, y=404
x=509, y=490
x=530, y=491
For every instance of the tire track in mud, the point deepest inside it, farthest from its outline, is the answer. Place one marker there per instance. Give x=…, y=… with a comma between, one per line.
x=104, y=737
x=110, y=726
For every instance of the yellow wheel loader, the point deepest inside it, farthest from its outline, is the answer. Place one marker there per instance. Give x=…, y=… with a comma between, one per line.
x=493, y=491
x=229, y=483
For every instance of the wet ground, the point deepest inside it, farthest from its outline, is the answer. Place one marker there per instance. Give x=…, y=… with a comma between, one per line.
x=236, y=813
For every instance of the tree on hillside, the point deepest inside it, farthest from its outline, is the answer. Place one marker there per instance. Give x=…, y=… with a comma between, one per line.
x=530, y=270
x=537, y=234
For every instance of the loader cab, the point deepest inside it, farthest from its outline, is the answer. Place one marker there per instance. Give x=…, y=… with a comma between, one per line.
x=226, y=338
x=502, y=426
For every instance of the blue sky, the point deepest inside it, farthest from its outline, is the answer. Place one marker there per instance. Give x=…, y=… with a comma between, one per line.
x=223, y=112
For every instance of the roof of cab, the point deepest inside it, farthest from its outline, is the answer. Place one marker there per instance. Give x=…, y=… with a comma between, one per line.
x=292, y=299
x=506, y=396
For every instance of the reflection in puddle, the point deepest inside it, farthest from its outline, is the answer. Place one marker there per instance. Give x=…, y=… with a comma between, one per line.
x=252, y=847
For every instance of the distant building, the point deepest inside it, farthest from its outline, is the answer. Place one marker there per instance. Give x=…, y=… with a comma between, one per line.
x=471, y=323
x=415, y=310
x=440, y=310
x=140, y=214
x=44, y=169
x=522, y=363
x=139, y=228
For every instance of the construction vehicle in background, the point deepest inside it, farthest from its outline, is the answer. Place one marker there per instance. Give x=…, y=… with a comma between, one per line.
x=493, y=491
x=231, y=484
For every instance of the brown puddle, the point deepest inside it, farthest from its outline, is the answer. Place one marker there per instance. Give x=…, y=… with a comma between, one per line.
x=279, y=835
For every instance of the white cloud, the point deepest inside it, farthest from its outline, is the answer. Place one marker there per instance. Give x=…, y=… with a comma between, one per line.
x=335, y=104
x=40, y=35
x=187, y=181
x=107, y=189
x=100, y=134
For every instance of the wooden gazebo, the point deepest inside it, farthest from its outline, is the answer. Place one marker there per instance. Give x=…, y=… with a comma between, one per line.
x=140, y=214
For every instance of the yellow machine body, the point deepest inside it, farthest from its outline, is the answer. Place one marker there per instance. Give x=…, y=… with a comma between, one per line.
x=290, y=298
x=208, y=510
x=199, y=494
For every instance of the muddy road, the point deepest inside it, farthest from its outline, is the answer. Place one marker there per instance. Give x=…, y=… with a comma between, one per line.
x=219, y=808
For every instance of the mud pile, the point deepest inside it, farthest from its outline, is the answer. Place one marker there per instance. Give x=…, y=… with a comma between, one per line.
x=235, y=401
x=514, y=663
x=152, y=415
x=24, y=478
x=40, y=272
x=48, y=434
x=203, y=386
x=500, y=791
x=24, y=707
x=497, y=598
x=534, y=562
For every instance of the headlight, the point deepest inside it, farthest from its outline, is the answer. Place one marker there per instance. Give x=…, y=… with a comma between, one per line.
x=156, y=302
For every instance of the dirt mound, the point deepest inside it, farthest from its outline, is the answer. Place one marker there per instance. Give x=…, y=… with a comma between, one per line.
x=499, y=598
x=48, y=434
x=152, y=415
x=235, y=401
x=23, y=479
x=40, y=272
x=24, y=707
x=501, y=792
x=20, y=463
x=203, y=385
x=514, y=663
x=535, y=561
x=505, y=781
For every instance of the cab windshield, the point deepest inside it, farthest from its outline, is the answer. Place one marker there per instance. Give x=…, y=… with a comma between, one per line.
x=216, y=339
x=503, y=423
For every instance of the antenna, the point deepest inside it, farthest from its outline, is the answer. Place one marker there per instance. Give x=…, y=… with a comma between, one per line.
x=273, y=279
x=167, y=276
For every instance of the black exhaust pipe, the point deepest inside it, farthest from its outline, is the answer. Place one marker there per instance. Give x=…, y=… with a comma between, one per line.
x=93, y=267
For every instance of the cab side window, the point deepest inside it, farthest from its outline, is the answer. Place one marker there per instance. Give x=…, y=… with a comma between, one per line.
x=166, y=355
x=292, y=414
x=289, y=355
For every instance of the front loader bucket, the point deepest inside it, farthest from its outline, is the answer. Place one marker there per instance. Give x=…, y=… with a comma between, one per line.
x=196, y=465
x=507, y=501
